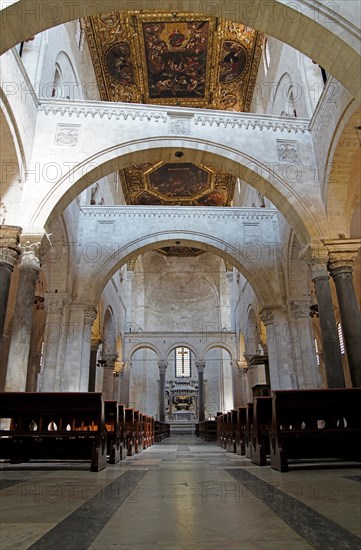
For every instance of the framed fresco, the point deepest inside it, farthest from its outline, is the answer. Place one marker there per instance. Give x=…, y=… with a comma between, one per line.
x=182, y=184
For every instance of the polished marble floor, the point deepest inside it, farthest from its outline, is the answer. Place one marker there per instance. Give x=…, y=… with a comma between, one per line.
x=181, y=494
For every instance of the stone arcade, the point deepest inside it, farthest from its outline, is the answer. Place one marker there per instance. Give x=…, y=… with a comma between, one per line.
x=180, y=229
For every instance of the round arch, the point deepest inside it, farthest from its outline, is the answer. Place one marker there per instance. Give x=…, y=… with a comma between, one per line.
x=12, y=152
x=220, y=345
x=343, y=177
x=260, y=176
x=233, y=255
x=143, y=345
x=301, y=25
x=173, y=346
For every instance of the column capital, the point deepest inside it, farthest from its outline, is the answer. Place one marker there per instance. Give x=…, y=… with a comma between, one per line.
x=342, y=255
x=162, y=365
x=315, y=255
x=267, y=316
x=9, y=244
x=200, y=366
x=55, y=302
x=31, y=246
x=95, y=342
x=90, y=314
x=110, y=359
x=300, y=308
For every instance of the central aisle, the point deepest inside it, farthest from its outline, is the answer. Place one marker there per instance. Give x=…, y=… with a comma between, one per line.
x=180, y=494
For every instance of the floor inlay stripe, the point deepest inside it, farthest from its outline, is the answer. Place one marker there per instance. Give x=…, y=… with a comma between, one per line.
x=5, y=483
x=80, y=529
x=314, y=528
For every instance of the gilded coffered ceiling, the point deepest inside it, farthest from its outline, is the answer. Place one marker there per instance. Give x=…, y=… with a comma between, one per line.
x=164, y=58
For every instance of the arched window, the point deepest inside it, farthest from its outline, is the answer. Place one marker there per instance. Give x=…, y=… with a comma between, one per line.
x=340, y=338
x=182, y=362
x=79, y=35
x=57, y=91
x=266, y=55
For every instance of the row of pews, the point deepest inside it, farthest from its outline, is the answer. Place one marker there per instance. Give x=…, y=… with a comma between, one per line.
x=295, y=425
x=71, y=427
x=207, y=430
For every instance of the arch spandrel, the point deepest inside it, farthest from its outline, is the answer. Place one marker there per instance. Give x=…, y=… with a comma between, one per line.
x=243, y=145
x=300, y=24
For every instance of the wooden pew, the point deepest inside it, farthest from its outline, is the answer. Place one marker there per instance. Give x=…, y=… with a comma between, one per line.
x=53, y=426
x=137, y=431
x=231, y=423
x=207, y=430
x=249, y=427
x=241, y=429
x=221, y=430
x=122, y=431
x=315, y=424
x=114, y=437
x=260, y=432
x=129, y=431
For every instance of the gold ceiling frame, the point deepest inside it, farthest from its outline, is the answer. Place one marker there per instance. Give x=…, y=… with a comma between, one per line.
x=162, y=16
x=119, y=52
x=179, y=198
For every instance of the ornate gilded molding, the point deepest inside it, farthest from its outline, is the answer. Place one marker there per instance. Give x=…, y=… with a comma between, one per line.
x=174, y=58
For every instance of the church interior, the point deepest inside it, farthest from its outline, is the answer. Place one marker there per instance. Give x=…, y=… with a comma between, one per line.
x=180, y=218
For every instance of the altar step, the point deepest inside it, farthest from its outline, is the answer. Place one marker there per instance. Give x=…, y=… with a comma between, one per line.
x=182, y=427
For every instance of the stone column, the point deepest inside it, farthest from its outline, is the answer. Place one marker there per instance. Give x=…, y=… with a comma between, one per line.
x=52, y=376
x=19, y=350
x=162, y=365
x=90, y=315
x=280, y=352
x=317, y=261
x=77, y=352
x=305, y=340
x=37, y=338
x=200, y=365
x=94, y=345
x=108, y=379
x=342, y=254
x=9, y=252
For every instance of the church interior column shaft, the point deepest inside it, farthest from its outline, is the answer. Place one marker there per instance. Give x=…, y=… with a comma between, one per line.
x=9, y=252
x=19, y=350
x=162, y=370
x=341, y=267
x=200, y=368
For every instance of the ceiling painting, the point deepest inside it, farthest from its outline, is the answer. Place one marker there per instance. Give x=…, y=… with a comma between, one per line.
x=183, y=59
x=182, y=184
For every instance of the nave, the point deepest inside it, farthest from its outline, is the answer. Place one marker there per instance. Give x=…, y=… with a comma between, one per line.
x=180, y=494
